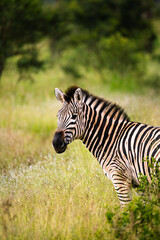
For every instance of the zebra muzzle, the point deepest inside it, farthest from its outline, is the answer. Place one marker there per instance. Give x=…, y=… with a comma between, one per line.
x=58, y=142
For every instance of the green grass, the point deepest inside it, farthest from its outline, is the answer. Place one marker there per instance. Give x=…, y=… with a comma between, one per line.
x=48, y=196
x=60, y=197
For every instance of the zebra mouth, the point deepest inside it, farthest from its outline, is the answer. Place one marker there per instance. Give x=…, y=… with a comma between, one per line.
x=61, y=149
x=58, y=142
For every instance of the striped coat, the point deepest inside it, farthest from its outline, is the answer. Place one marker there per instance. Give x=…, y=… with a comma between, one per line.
x=120, y=145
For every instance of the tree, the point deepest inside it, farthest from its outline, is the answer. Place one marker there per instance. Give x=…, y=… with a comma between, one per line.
x=21, y=22
x=92, y=20
x=111, y=32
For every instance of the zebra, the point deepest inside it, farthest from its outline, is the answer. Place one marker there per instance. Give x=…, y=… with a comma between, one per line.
x=120, y=145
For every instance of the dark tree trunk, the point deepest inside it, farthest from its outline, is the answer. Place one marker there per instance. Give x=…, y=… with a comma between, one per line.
x=2, y=64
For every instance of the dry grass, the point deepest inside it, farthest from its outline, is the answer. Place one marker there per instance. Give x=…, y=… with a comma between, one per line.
x=49, y=196
x=63, y=197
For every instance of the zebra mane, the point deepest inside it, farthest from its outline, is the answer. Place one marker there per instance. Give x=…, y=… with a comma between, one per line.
x=69, y=95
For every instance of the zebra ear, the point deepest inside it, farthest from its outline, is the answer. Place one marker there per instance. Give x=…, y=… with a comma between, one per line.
x=78, y=96
x=59, y=95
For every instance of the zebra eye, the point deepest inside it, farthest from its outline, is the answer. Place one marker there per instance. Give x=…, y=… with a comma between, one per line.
x=74, y=116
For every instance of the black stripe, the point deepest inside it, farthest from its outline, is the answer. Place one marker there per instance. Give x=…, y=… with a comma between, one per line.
x=96, y=125
x=92, y=101
x=153, y=142
x=111, y=135
x=155, y=150
x=125, y=134
x=145, y=143
x=135, y=143
x=107, y=129
x=91, y=139
x=88, y=118
x=91, y=127
x=140, y=157
x=121, y=131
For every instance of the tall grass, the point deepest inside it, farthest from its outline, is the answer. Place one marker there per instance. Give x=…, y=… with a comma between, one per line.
x=60, y=197
x=48, y=196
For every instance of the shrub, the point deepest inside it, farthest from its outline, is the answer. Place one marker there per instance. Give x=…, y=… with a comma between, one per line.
x=140, y=219
x=118, y=52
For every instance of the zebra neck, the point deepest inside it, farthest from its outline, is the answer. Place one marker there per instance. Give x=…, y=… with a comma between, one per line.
x=102, y=122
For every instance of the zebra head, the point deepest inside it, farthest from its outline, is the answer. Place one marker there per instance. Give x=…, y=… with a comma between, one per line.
x=70, y=119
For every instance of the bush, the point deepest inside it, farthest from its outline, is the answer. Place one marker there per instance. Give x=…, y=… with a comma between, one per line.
x=22, y=23
x=140, y=219
x=118, y=52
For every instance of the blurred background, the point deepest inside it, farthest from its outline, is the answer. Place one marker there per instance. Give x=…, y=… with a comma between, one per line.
x=109, y=47
x=114, y=43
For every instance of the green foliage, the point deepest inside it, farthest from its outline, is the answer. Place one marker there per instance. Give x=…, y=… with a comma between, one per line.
x=140, y=219
x=135, y=22
x=49, y=196
x=112, y=32
x=59, y=197
x=21, y=22
x=91, y=20
x=118, y=52
x=29, y=62
x=95, y=19
x=104, y=34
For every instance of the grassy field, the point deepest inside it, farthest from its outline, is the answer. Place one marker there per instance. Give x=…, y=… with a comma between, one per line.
x=48, y=196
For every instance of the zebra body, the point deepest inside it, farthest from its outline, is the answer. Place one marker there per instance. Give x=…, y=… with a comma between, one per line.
x=119, y=145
